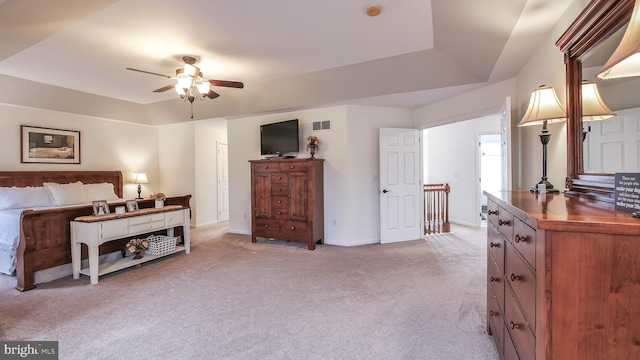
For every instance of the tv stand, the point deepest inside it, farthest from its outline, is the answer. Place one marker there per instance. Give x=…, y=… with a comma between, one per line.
x=287, y=200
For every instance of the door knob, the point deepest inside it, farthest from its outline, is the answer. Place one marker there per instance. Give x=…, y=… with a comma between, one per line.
x=385, y=191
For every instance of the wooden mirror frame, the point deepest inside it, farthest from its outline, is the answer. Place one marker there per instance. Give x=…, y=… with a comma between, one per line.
x=599, y=20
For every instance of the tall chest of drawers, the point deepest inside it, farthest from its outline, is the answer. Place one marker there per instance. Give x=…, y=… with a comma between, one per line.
x=287, y=200
x=563, y=278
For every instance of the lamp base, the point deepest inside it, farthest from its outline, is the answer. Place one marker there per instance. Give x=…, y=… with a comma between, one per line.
x=548, y=185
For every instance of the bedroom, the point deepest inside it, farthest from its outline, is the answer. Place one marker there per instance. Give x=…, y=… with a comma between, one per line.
x=176, y=153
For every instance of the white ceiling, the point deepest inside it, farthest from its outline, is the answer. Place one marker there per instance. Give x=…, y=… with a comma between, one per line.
x=414, y=53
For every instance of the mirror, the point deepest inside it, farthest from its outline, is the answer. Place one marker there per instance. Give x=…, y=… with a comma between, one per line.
x=610, y=145
x=588, y=35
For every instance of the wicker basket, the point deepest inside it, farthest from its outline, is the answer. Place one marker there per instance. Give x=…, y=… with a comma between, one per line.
x=161, y=245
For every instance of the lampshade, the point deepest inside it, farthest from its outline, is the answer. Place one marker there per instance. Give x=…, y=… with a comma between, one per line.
x=139, y=178
x=544, y=106
x=203, y=87
x=593, y=108
x=625, y=61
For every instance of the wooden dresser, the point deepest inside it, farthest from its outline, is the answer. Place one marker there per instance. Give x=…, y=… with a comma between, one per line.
x=563, y=278
x=287, y=200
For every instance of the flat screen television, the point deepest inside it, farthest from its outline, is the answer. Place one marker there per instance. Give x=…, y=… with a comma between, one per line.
x=279, y=138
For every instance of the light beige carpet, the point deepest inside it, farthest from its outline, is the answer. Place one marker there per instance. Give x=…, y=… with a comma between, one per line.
x=231, y=299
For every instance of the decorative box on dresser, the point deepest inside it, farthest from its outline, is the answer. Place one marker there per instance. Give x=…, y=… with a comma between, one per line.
x=287, y=200
x=563, y=277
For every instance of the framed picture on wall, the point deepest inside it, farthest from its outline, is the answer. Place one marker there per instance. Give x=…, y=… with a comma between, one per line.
x=51, y=146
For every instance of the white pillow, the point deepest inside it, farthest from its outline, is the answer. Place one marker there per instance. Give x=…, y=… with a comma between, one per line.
x=66, y=194
x=21, y=198
x=102, y=191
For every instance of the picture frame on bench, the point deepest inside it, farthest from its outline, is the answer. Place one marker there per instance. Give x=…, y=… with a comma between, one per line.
x=100, y=207
x=131, y=205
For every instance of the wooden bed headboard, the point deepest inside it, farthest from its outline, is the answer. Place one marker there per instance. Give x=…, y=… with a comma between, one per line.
x=37, y=178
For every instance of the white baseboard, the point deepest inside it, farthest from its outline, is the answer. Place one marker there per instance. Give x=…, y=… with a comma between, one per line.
x=238, y=231
x=207, y=224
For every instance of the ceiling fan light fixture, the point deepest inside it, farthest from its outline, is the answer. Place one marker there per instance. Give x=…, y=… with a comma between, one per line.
x=191, y=70
x=180, y=91
x=203, y=87
x=184, y=81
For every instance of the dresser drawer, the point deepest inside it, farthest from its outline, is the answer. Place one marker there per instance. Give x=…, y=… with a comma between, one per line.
x=492, y=213
x=495, y=278
x=267, y=228
x=523, y=283
x=279, y=190
x=495, y=318
x=279, y=201
x=114, y=228
x=505, y=223
x=147, y=227
x=524, y=240
x=298, y=166
x=280, y=178
x=293, y=229
x=521, y=334
x=495, y=243
x=146, y=219
x=174, y=218
x=265, y=167
x=509, y=349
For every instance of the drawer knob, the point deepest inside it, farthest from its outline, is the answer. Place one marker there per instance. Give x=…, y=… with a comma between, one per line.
x=494, y=279
x=266, y=225
x=519, y=238
x=266, y=167
x=293, y=228
x=279, y=201
x=515, y=277
x=292, y=167
x=493, y=313
x=279, y=213
x=503, y=222
x=513, y=325
x=494, y=244
x=493, y=212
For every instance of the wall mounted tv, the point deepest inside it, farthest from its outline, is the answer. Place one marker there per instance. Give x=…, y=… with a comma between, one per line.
x=279, y=138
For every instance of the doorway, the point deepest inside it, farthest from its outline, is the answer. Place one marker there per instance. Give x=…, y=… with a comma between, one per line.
x=490, y=169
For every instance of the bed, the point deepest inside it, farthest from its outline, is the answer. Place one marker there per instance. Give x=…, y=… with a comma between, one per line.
x=44, y=236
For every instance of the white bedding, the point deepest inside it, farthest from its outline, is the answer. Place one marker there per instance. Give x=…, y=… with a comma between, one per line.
x=14, y=200
x=9, y=237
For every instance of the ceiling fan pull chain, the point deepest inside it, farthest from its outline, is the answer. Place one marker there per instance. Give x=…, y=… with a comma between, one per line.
x=192, y=110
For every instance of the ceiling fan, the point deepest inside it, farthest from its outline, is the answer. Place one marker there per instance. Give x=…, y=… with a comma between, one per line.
x=190, y=82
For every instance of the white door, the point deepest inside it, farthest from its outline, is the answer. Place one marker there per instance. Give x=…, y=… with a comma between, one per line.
x=611, y=145
x=223, y=182
x=401, y=187
x=505, y=144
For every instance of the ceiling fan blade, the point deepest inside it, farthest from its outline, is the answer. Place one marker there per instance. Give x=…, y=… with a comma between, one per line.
x=212, y=94
x=232, y=84
x=149, y=72
x=163, y=89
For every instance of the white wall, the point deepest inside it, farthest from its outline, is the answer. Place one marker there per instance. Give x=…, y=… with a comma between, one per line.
x=206, y=172
x=104, y=144
x=452, y=152
x=350, y=150
x=177, y=162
